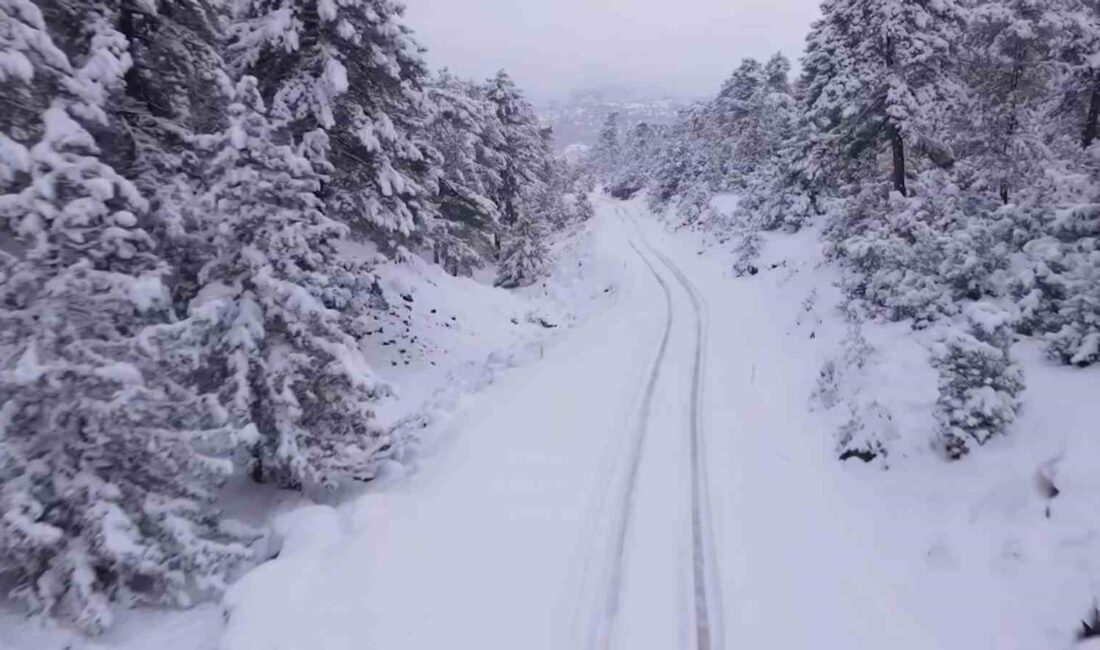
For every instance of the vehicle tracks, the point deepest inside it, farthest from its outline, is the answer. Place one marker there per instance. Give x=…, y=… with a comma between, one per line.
x=707, y=585
x=706, y=590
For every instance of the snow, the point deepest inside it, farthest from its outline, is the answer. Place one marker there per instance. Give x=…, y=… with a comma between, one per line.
x=326, y=10
x=15, y=65
x=147, y=292
x=337, y=76
x=121, y=372
x=498, y=531
x=28, y=369
x=14, y=158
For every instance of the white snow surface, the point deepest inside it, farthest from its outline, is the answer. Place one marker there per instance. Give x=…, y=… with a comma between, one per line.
x=502, y=531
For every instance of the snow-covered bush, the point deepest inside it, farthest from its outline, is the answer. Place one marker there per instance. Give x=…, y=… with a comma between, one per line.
x=746, y=251
x=920, y=256
x=583, y=208
x=866, y=429
x=938, y=258
x=979, y=382
x=1058, y=285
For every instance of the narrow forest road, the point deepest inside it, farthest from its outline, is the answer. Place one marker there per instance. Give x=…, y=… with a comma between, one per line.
x=648, y=484
x=657, y=520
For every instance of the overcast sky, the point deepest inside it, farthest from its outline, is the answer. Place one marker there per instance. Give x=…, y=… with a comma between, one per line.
x=552, y=47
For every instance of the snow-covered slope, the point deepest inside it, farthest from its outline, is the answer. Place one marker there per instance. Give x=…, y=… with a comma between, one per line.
x=438, y=339
x=970, y=554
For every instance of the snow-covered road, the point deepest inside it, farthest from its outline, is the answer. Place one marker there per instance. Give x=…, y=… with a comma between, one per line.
x=644, y=485
x=650, y=596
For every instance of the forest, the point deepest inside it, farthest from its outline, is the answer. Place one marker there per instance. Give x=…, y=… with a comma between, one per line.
x=196, y=198
x=178, y=182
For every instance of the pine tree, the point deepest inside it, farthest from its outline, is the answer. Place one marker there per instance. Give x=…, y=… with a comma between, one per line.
x=1009, y=72
x=1076, y=48
x=522, y=145
x=353, y=71
x=608, y=154
x=171, y=93
x=979, y=383
x=106, y=460
x=681, y=163
x=468, y=136
x=32, y=70
x=270, y=312
x=525, y=254
x=881, y=73
x=640, y=147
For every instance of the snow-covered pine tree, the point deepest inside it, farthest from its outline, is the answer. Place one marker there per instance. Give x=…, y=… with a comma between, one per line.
x=1076, y=48
x=32, y=68
x=979, y=383
x=607, y=155
x=681, y=162
x=523, y=146
x=881, y=73
x=171, y=93
x=733, y=122
x=640, y=147
x=467, y=133
x=1009, y=70
x=583, y=207
x=106, y=462
x=267, y=319
x=528, y=198
x=524, y=257
x=353, y=71
x=1061, y=286
x=781, y=191
x=777, y=73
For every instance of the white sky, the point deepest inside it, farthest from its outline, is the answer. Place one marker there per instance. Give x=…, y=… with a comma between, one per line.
x=554, y=46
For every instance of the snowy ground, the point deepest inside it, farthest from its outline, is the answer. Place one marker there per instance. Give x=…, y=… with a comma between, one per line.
x=945, y=555
x=560, y=505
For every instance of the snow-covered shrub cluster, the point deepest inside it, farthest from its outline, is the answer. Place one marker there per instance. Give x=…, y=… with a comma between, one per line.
x=949, y=150
x=865, y=431
x=1057, y=287
x=919, y=256
x=176, y=180
x=979, y=382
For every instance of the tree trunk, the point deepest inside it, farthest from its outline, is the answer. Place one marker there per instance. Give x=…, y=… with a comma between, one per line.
x=258, y=466
x=897, y=146
x=1089, y=136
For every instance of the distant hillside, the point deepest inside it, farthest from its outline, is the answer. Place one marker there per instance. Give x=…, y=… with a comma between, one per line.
x=577, y=120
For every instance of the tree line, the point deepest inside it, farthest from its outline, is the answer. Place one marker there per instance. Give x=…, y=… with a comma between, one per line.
x=179, y=185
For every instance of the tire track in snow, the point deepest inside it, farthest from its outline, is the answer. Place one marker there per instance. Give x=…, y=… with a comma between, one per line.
x=707, y=586
x=600, y=631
